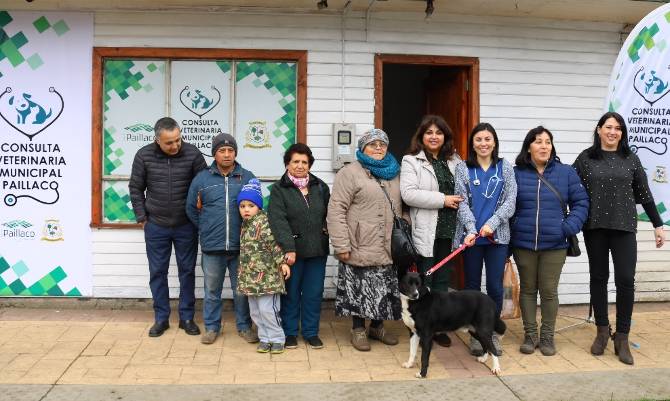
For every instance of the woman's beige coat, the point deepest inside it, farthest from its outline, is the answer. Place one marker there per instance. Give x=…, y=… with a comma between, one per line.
x=421, y=192
x=359, y=216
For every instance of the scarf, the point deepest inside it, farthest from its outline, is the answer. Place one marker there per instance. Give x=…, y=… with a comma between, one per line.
x=386, y=168
x=300, y=183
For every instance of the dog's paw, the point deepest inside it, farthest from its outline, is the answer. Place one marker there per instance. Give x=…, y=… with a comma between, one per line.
x=407, y=365
x=496, y=371
x=418, y=375
x=483, y=358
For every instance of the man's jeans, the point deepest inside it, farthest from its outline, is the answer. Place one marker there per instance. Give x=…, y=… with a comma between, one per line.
x=214, y=268
x=159, y=241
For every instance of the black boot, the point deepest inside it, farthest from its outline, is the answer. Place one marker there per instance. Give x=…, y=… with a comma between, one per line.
x=622, y=349
x=600, y=343
x=547, y=346
x=530, y=342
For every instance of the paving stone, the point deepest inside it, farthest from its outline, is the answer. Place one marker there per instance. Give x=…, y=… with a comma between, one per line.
x=23, y=392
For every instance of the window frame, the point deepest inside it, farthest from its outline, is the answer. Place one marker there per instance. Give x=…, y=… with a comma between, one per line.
x=100, y=54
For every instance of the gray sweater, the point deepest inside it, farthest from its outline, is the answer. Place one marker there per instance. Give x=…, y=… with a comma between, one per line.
x=505, y=207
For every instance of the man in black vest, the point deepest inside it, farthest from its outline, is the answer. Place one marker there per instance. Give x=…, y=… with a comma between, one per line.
x=161, y=175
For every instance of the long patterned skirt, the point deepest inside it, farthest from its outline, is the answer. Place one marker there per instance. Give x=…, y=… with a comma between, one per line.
x=368, y=292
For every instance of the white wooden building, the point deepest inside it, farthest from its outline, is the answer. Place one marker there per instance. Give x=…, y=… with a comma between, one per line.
x=531, y=62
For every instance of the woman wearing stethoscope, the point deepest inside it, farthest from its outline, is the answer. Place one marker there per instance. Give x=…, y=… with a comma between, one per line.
x=487, y=185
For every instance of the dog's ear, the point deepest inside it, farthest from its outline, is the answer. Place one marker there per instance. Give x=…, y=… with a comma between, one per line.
x=11, y=100
x=402, y=271
x=424, y=289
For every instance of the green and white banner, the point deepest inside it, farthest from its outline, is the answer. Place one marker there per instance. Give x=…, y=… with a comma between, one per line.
x=265, y=115
x=45, y=162
x=638, y=90
x=255, y=101
x=200, y=100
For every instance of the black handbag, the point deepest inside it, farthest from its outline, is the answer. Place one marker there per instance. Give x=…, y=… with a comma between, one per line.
x=403, y=251
x=573, y=241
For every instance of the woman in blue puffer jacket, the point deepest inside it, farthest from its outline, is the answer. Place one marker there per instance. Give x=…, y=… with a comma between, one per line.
x=540, y=230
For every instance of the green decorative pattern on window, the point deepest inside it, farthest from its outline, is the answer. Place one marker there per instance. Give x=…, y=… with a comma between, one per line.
x=117, y=206
x=644, y=38
x=119, y=79
x=278, y=78
x=224, y=66
x=112, y=158
x=12, y=284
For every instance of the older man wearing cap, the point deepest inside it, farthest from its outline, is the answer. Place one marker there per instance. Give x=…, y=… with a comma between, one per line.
x=212, y=207
x=161, y=174
x=360, y=220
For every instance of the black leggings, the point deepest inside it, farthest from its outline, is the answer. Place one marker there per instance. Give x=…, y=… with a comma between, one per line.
x=623, y=245
x=359, y=322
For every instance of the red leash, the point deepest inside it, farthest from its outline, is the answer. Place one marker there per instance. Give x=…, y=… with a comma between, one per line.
x=451, y=256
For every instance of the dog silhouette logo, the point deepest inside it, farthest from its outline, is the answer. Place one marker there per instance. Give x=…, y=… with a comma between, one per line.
x=199, y=101
x=31, y=112
x=650, y=86
x=27, y=111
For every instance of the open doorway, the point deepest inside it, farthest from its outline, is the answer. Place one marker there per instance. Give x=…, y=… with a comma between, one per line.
x=408, y=87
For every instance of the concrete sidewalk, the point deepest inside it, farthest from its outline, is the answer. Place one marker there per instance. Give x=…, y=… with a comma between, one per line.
x=647, y=384
x=61, y=350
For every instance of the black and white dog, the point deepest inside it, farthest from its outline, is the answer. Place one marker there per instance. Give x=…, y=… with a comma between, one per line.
x=425, y=313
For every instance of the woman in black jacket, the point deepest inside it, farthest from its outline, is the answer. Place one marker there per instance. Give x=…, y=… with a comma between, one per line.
x=297, y=214
x=615, y=181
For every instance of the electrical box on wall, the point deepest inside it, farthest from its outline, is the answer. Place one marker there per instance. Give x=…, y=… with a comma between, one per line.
x=344, y=148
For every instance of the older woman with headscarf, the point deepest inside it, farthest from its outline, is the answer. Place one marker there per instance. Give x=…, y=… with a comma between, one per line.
x=360, y=220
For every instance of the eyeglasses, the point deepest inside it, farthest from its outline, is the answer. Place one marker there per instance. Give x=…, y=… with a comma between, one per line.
x=378, y=144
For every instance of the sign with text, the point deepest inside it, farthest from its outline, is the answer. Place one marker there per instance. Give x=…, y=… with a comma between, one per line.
x=45, y=158
x=638, y=90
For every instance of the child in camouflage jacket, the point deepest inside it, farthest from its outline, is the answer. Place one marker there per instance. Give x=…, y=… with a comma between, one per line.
x=262, y=269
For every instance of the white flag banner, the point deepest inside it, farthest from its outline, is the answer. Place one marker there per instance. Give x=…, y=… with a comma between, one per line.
x=45, y=153
x=638, y=90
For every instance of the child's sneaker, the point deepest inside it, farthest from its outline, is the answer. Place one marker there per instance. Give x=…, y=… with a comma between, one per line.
x=249, y=336
x=277, y=348
x=264, y=348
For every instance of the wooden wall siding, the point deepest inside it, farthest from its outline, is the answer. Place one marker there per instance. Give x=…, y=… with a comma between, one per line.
x=532, y=72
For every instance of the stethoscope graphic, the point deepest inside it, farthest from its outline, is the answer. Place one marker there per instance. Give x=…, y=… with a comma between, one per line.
x=495, y=178
x=664, y=142
x=12, y=200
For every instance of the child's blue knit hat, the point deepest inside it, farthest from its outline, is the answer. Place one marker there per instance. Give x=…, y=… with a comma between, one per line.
x=251, y=192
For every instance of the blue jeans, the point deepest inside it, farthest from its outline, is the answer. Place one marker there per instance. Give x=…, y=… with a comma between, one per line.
x=214, y=268
x=494, y=257
x=159, y=241
x=304, y=293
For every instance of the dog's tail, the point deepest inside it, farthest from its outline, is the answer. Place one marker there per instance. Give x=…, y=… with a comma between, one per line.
x=500, y=326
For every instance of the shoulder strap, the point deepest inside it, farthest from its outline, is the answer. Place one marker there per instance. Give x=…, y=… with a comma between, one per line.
x=554, y=190
x=387, y=197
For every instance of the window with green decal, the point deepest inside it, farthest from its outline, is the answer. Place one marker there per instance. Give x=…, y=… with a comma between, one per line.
x=256, y=99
